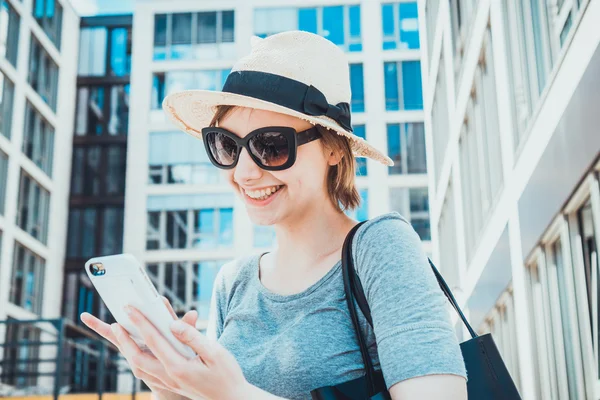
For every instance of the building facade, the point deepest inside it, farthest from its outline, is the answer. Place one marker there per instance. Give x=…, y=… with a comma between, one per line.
x=192, y=220
x=513, y=145
x=37, y=73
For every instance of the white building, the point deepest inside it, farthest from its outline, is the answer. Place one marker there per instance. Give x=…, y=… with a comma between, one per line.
x=511, y=94
x=193, y=220
x=37, y=73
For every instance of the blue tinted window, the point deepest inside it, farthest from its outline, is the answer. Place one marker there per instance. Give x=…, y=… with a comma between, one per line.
x=392, y=101
x=361, y=163
x=394, y=149
x=224, y=74
x=354, y=12
x=226, y=226
x=307, y=19
x=357, y=87
x=411, y=85
x=206, y=221
x=387, y=18
x=333, y=24
x=409, y=25
x=362, y=213
x=119, y=63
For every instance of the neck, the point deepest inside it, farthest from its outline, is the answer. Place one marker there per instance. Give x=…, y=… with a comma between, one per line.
x=319, y=233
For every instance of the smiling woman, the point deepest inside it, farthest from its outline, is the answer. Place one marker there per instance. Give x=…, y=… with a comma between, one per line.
x=279, y=328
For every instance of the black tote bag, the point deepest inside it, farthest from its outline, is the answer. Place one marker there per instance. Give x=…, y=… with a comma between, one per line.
x=488, y=378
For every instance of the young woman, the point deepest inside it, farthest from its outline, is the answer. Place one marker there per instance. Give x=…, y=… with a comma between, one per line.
x=279, y=324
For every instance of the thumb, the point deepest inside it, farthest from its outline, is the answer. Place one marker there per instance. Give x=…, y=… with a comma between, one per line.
x=205, y=348
x=190, y=318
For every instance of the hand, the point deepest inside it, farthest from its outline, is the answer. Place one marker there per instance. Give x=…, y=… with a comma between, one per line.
x=213, y=374
x=105, y=330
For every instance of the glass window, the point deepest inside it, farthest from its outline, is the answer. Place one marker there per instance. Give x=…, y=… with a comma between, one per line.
x=20, y=353
x=412, y=204
x=361, y=162
x=205, y=273
x=185, y=36
x=92, y=51
x=38, y=139
x=112, y=231
x=406, y=147
x=165, y=83
x=409, y=95
x=190, y=221
x=43, y=73
x=48, y=14
x=178, y=158
x=362, y=212
x=27, y=286
x=102, y=110
x=120, y=51
x=86, y=175
x=3, y=180
x=6, y=105
x=419, y=212
x=357, y=88
x=400, y=26
x=116, y=159
x=307, y=20
x=34, y=204
x=333, y=24
x=339, y=24
x=264, y=236
x=9, y=32
x=392, y=92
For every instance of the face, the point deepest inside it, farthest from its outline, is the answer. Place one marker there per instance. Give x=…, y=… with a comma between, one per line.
x=277, y=197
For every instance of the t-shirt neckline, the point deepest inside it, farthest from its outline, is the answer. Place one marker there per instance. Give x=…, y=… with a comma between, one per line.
x=289, y=297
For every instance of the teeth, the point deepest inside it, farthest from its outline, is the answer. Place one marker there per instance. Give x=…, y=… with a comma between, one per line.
x=262, y=194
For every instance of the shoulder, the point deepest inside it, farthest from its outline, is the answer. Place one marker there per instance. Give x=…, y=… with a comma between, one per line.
x=386, y=230
x=233, y=273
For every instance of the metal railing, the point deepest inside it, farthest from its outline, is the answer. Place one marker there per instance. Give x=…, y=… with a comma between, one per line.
x=55, y=356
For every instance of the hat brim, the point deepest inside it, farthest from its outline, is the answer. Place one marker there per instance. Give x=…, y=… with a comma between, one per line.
x=192, y=110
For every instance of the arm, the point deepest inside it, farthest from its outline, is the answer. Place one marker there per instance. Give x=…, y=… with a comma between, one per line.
x=418, y=350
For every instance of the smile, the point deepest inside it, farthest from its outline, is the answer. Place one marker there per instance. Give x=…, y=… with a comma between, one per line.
x=262, y=194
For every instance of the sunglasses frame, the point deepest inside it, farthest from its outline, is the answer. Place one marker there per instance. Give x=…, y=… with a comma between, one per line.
x=294, y=139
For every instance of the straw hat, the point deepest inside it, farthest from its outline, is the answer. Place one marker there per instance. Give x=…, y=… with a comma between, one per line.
x=295, y=73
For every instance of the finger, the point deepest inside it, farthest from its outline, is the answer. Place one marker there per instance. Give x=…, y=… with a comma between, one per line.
x=203, y=346
x=169, y=307
x=156, y=342
x=101, y=328
x=190, y=318
x=138, y=359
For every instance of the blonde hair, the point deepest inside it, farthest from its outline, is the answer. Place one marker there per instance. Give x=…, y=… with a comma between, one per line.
x=341, y=185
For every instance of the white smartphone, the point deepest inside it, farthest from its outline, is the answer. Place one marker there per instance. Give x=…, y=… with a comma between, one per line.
x=121, y=280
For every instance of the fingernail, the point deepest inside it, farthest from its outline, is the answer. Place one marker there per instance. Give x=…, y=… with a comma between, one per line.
x=128, y=310
x=177, y=326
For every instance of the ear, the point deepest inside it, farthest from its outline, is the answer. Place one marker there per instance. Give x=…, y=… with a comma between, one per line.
x=334, y=157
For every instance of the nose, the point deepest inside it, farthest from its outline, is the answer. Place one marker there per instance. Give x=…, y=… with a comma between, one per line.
x=246, y=169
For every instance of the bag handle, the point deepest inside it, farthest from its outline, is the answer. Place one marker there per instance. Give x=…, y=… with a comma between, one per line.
x=354, y=291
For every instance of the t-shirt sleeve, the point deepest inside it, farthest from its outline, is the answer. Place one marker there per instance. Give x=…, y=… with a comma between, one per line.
x=411, y=321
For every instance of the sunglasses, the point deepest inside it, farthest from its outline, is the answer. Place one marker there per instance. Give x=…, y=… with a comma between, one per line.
x=273, y=148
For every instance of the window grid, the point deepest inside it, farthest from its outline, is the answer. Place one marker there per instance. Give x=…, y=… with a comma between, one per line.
x=3, y=179
x=102, y=110
x=165, y=83
x=184, y=229
x=6, y=105
x=174, y=42
x=412, y=204
x=43, y=73
x=38, y=139
x=33, y=212
x=406, y=147
x=48, y=14
x=9, y=32
x=27, y=279
x=404, y=16
x=403, y=86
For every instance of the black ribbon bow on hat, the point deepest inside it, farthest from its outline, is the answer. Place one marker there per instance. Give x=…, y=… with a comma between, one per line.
x=287, y=92
x=315, y=103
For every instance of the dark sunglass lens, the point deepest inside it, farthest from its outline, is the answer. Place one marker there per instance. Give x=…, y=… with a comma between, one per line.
x=271, y=148
x=222, y=148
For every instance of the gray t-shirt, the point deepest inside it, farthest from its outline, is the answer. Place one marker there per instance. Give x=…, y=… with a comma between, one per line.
x=291, y=344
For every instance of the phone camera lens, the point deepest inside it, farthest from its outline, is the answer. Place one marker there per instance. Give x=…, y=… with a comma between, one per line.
x=97, y=269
